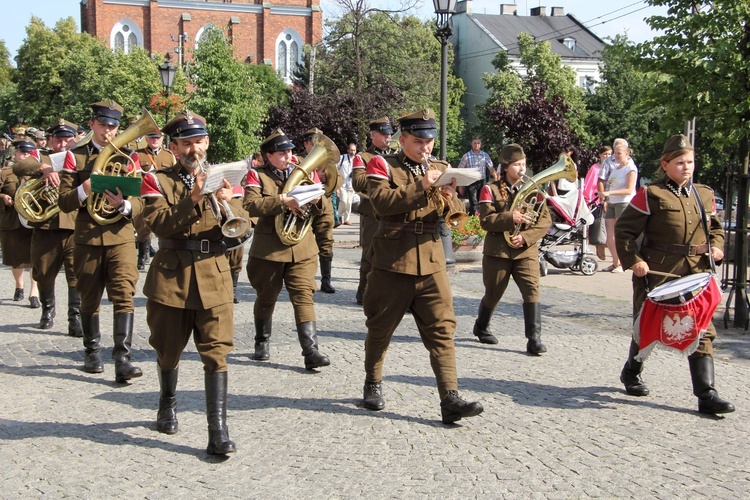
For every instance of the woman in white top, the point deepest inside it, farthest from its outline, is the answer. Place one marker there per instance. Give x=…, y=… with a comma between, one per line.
x=619, y=188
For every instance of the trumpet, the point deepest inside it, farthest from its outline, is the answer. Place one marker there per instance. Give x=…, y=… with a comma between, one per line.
x=234, y=227
x=454, y=219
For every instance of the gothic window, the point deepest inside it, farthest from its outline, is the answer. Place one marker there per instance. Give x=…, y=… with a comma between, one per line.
x=125, y=36
x=288, y=54
x=203, y=33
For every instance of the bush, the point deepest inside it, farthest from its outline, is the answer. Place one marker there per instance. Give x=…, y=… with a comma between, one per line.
x=471, y=228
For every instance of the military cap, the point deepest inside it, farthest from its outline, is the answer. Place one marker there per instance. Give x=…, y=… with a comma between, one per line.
x=420, y=124
x=154, y=135
x=80, y=130
x=310, y=133
x=106, y=112
x=382, y=125
x=277, y=141
x=185, y=125
x=24, y=146
x=40, y=134
x=511, y=154
x=63, y=128
x=31, y=132
x=676, y=143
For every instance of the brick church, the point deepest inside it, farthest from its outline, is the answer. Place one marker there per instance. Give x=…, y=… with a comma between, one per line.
x=261, y=32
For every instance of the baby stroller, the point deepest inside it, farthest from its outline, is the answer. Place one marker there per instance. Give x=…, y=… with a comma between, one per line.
x=571, y=217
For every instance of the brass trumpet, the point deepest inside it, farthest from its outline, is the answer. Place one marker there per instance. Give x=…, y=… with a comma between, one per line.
x=454, y=219
x=234, y=227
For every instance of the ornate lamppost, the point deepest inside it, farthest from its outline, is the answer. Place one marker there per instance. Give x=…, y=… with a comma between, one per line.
x=167, y=72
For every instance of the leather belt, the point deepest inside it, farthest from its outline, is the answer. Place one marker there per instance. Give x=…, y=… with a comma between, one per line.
x=415, y=226
x=688, y=250
x=202, y=246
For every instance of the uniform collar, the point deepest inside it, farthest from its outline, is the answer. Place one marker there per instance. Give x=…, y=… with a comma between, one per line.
x=677, y=190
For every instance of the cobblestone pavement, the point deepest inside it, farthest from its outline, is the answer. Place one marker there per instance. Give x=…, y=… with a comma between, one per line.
x=558, y=426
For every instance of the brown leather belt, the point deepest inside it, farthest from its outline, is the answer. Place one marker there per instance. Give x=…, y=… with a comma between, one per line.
x=415, y=226
x=202, y=246
x=689, y=250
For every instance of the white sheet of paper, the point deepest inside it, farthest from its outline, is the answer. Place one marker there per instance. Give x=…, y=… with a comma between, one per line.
x=463, y=176
x=233, y=172
x=306, y=193
x=57, y=160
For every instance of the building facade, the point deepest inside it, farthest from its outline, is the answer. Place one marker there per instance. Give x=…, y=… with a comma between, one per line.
x=261, y=32
x=477, y=38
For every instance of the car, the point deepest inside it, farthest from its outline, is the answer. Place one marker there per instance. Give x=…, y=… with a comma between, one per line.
x=719, y=202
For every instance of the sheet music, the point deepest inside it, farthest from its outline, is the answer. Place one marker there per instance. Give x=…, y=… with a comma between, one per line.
x=305, y=194
x=463, y=176
x=57, y=160
x=233, y=172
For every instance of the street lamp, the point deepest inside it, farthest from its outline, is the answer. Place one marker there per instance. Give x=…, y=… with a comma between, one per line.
x=167, y=72
x=444, y=10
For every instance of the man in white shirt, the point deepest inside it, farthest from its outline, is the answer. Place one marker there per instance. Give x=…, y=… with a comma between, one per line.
x=346, y=193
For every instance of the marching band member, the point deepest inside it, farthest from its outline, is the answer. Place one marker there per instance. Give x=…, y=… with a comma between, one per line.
x=15, y=239
x=666, y=214
x=501, y=261
x=271, y=263
x=104, y=254
x=408, y=264
x=189, y=282
x=380, y=137
x=52, y=239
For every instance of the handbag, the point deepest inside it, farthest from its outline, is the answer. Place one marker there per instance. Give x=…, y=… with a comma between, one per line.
x=598, y=230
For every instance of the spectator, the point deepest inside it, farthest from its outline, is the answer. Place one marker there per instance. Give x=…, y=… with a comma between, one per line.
x=476, y=158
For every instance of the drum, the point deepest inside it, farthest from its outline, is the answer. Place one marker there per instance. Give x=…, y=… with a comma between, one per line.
x=680, y=290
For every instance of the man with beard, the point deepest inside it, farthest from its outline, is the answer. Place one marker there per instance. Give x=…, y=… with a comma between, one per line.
x=273, y=264
x=189, y=282
x=380, y=135
x=52, y=239
x=104, y=254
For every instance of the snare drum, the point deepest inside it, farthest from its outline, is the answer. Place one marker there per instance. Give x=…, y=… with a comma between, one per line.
x=680, y=290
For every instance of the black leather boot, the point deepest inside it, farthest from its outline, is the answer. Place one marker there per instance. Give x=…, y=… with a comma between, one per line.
x=373, y=396
x=123, y=337
x=532, y=319
x=308, y=340
x=74, y=313
x=92, y=361
x=630, y=375
x=702, y=373
x=166, y=418
x=454, y=408
x=143, y=255
x=235, y=279
x=482, y=325
x=262, y=339
x=325, y=275
x=216, y=414
x=47, y=298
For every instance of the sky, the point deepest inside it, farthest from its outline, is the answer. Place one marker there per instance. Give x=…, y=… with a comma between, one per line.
x=603, y=17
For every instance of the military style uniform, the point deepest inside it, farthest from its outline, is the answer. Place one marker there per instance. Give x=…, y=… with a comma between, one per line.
x=409, y=272
x=368, y=223
x=104, y=255
x=272, y=264
x=674, y=241
x=501, y=261
x=14, y=237
x=52, y=246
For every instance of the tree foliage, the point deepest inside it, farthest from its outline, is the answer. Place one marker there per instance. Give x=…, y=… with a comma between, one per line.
x=229, y=97
x=6, y=68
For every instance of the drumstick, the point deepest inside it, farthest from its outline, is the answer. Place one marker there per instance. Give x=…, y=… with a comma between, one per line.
x=668, y=275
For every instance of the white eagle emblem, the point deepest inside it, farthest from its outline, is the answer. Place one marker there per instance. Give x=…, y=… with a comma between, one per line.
x=676, y=328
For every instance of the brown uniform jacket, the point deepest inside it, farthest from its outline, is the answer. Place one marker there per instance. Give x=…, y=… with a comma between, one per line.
x=30, y=167
x=184, y=278
x=497, y=218
x=359, y=179
x=88, y=231
x=664, y=218
x=397, y=197
x=8, y=185
x=262, y=189
x=164, y=158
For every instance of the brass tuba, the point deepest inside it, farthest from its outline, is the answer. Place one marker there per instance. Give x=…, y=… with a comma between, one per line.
x=290, y=227
x=36, y=201
x=531, y=196
x=113, y=161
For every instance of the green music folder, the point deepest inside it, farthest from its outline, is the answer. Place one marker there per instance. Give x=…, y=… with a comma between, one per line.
x=130, y=186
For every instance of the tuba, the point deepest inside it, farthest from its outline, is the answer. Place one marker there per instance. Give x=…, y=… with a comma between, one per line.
x=290, y=227
x=113, y=161
x=36, y=201
x=531, y=196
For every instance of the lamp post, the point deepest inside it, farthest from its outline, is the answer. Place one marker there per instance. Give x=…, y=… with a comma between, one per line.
x=167, y=72
x=444, y=10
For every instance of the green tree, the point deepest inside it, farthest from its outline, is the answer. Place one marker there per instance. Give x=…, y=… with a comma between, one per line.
x=229, y=97
x=6, y=67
